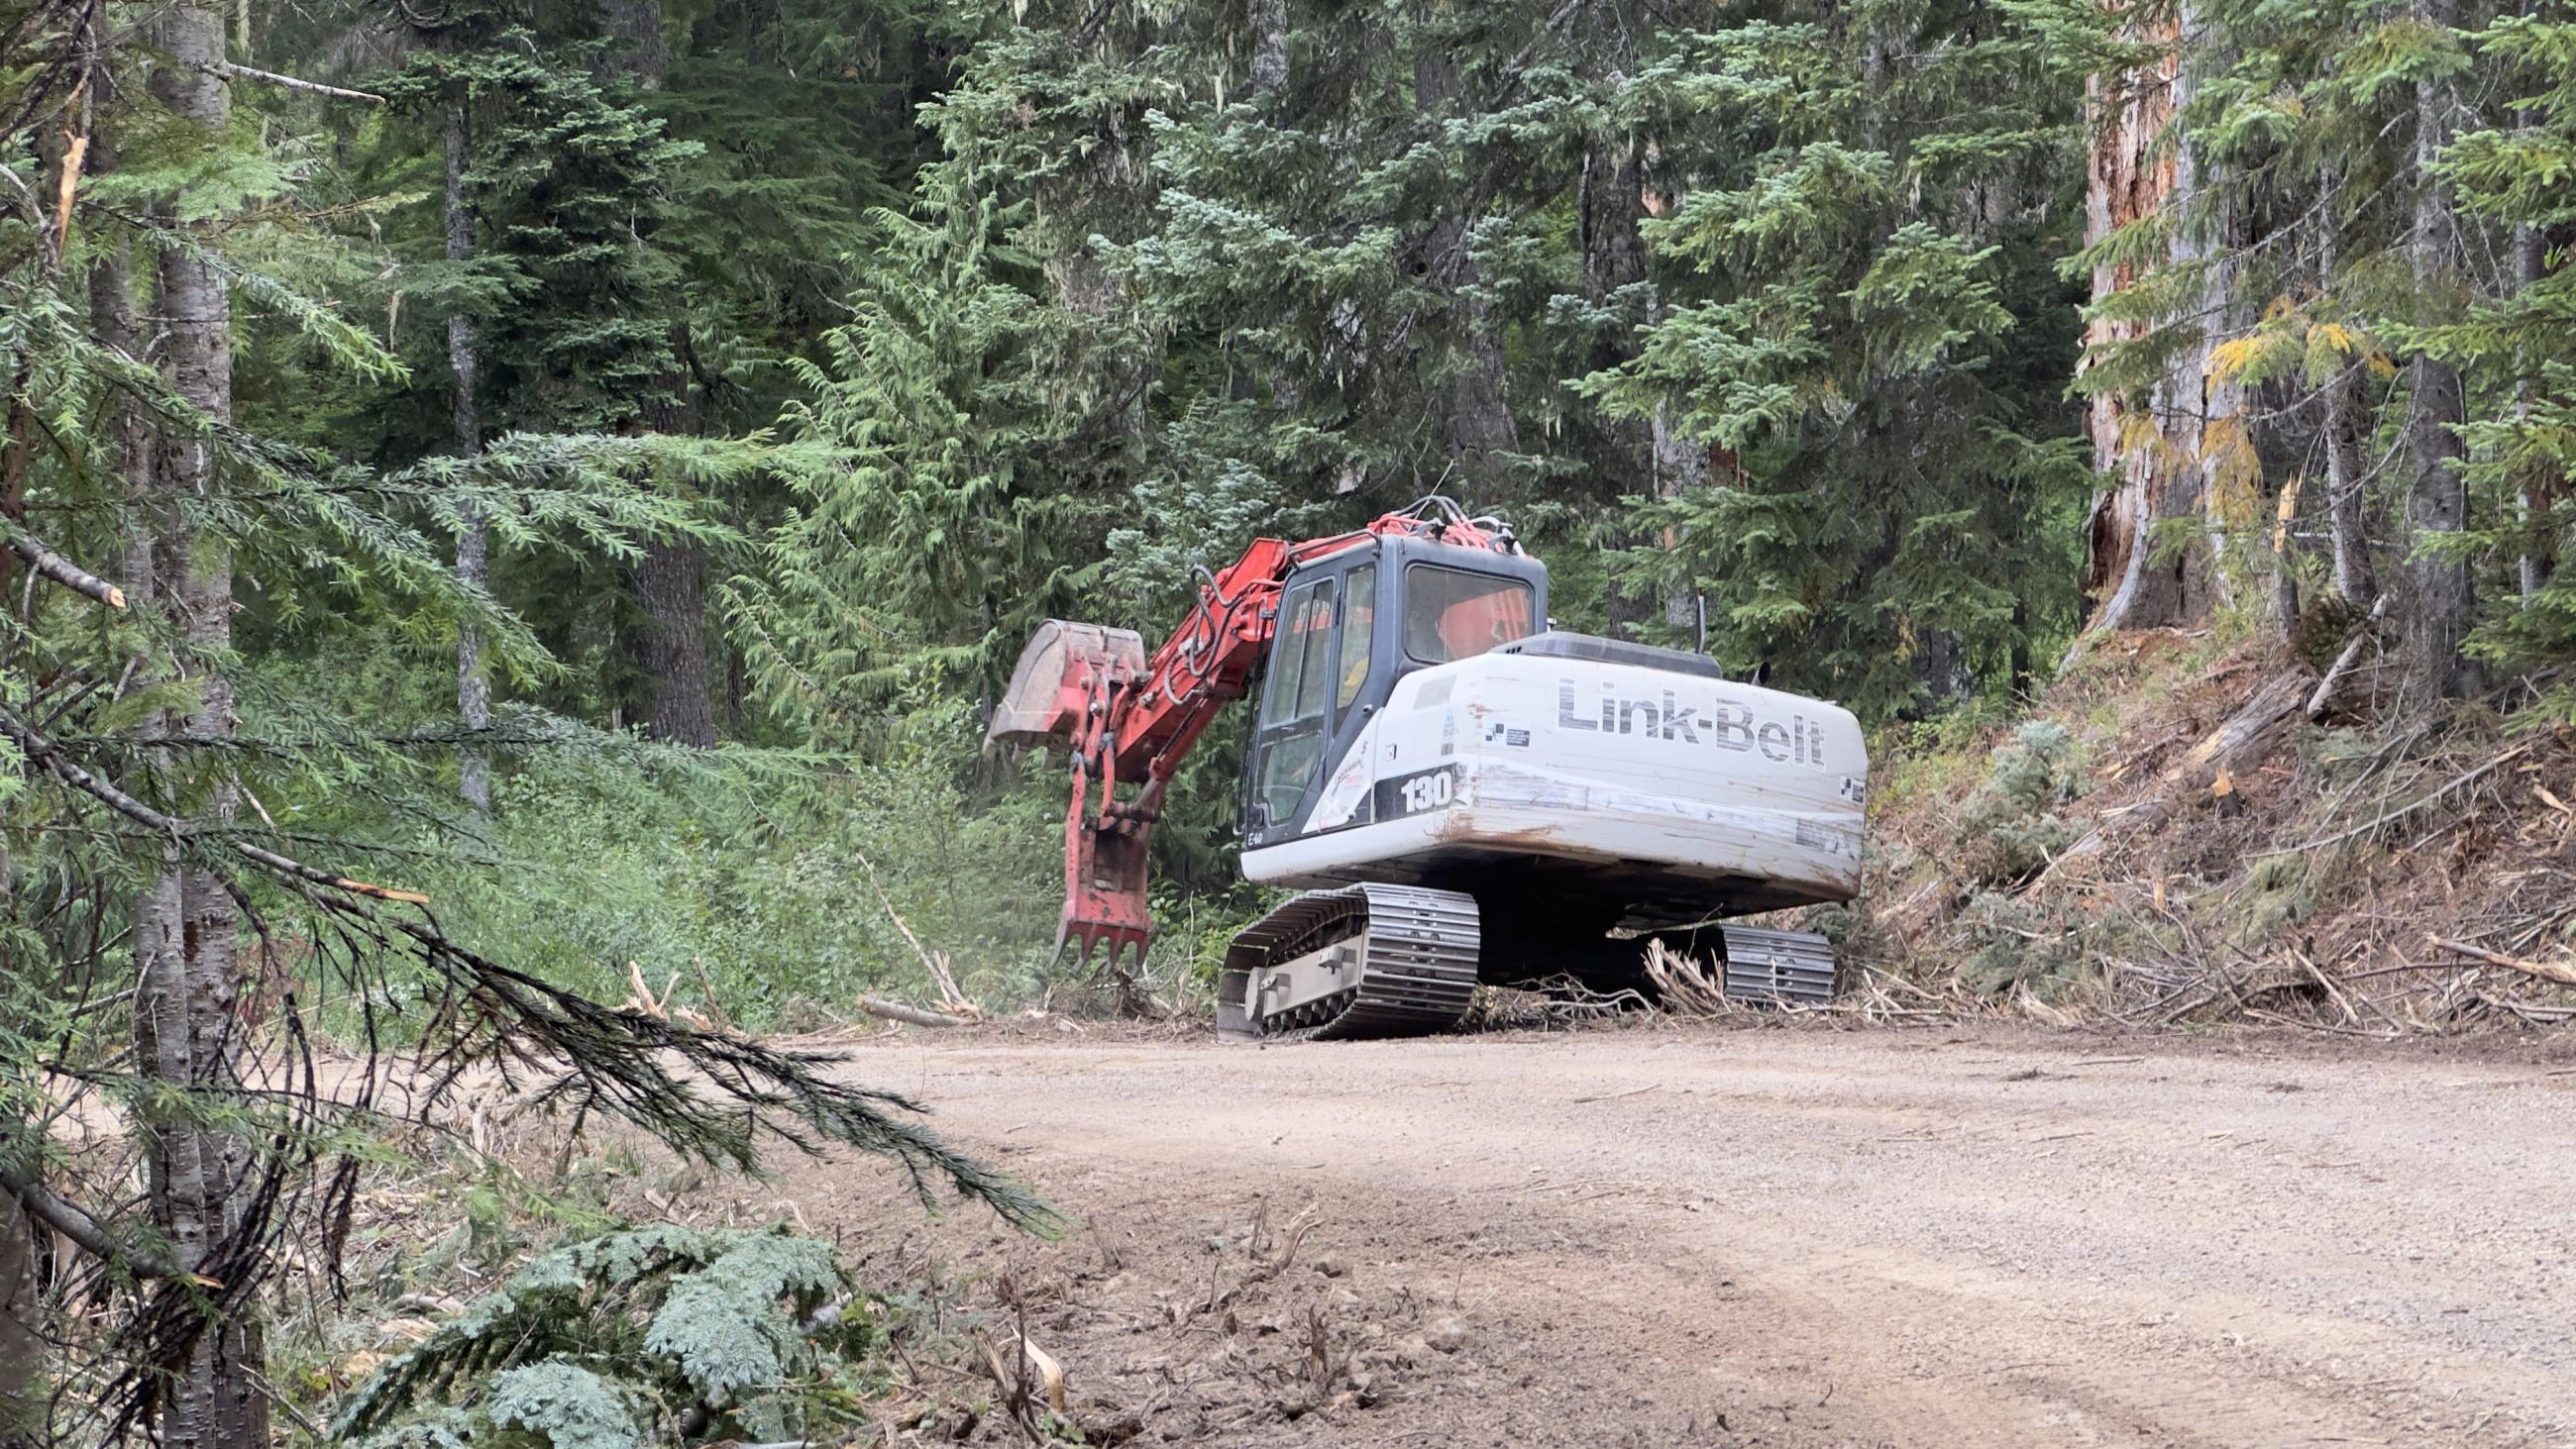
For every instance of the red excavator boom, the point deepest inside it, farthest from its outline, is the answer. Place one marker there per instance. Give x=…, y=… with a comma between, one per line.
x=1127, y=718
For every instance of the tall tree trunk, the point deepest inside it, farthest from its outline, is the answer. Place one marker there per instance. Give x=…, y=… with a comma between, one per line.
x=2132, y=174
x=1269, y=47
x=2536, y=496
x=22, y=1342
x=636, y=46
x=2438, y=501
x=1681, y=464
x=1610, y=200
x=2347, y=472
x=1612, y=203
x=672, y=646
x=473, y=690
x=22, y=1303
x=186, y=926
x=1614, y=256
x=2216, y=431
x=671, y=649
x=2347, y=481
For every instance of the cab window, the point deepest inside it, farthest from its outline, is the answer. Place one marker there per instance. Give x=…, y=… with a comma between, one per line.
x=1453, y=614
x=1359, y=618
x=1291, y=732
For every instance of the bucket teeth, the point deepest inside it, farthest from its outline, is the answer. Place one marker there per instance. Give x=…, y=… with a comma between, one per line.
x=1089, y=936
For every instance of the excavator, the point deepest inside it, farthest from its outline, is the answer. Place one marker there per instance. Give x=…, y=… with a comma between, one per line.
x=1461, y=791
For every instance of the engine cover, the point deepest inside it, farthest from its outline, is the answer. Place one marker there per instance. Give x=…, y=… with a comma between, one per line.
x=1645, y=793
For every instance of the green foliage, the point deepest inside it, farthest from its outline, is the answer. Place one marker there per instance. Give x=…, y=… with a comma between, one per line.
x=1890, y=510
x=2522, y=445
x=2009, y=826
x=2018, y=946
x=912, y=569
x=559, y=1405
x=761, y=878
x=243, y=689
x=646, y=1335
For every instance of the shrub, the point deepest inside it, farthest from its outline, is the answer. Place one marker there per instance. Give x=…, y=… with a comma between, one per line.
x=2007, y=826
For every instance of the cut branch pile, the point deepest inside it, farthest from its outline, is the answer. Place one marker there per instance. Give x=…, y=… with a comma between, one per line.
x=2414, y=876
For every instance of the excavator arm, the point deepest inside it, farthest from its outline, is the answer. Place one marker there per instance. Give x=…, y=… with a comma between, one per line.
x=1128, y=718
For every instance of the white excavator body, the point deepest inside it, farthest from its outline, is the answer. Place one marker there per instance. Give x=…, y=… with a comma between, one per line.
x=1686, y=796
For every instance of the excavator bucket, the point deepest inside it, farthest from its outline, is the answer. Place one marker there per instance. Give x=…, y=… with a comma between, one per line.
x=1104, y=880
x=1055, y=681
x=1064, y=669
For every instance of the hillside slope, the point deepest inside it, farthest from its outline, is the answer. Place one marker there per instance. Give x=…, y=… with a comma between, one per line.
x=2171, y=838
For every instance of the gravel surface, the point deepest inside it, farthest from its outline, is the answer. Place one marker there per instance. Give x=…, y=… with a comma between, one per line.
x=1697, y=1236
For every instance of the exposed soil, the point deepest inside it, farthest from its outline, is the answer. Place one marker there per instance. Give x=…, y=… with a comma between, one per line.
x=1693, y=1236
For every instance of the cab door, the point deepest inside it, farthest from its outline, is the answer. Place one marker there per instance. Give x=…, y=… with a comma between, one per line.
x=1317, y=684
x=1289, y=731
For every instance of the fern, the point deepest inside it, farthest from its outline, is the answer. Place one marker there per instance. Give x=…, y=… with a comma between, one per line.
x=654, y=1334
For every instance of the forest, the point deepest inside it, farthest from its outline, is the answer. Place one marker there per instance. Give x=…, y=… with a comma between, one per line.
x=518, y=503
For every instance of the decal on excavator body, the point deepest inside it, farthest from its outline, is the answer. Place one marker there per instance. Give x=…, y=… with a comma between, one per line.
x=1666, y=716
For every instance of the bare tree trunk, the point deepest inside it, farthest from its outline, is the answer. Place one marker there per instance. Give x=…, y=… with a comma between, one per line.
x=671, y=649
x=1681, y=465
x=636, y=44
x=2131, y=174
x=2438, y=502
x=2214, y=431
x=2536, y=496
x=1269, y=47
x=2347, y=483
x=22, y=1303
x=22, y=1342
x=2347, y=472
x=186, y=926
x=473, y=690
x=1609, y=203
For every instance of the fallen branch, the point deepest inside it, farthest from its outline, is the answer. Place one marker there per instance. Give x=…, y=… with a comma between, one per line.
x=931, y=961
x=2557, y=971
x=74, y=1222
x=2233, y=748
x=292, y=83
x=63, y=571
x=914, y=1015
x=2322, y=703
x=2402, y=811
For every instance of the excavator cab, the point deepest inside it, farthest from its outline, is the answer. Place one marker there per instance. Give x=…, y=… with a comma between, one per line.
x=1351, y=625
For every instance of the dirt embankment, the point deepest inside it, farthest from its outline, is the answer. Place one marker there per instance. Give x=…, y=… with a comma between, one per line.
x=2169, y=837
x=1941, y=1237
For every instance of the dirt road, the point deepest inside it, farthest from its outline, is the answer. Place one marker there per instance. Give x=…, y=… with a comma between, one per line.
x=1768, y=1237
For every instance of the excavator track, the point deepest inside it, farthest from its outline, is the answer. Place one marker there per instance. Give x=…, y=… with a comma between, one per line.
x=1360, y=961
x=1778, y=968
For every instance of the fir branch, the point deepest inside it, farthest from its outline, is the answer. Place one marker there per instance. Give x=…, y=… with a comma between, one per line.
x=593, y=1056
x=63, y=571
x=83, y=1229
